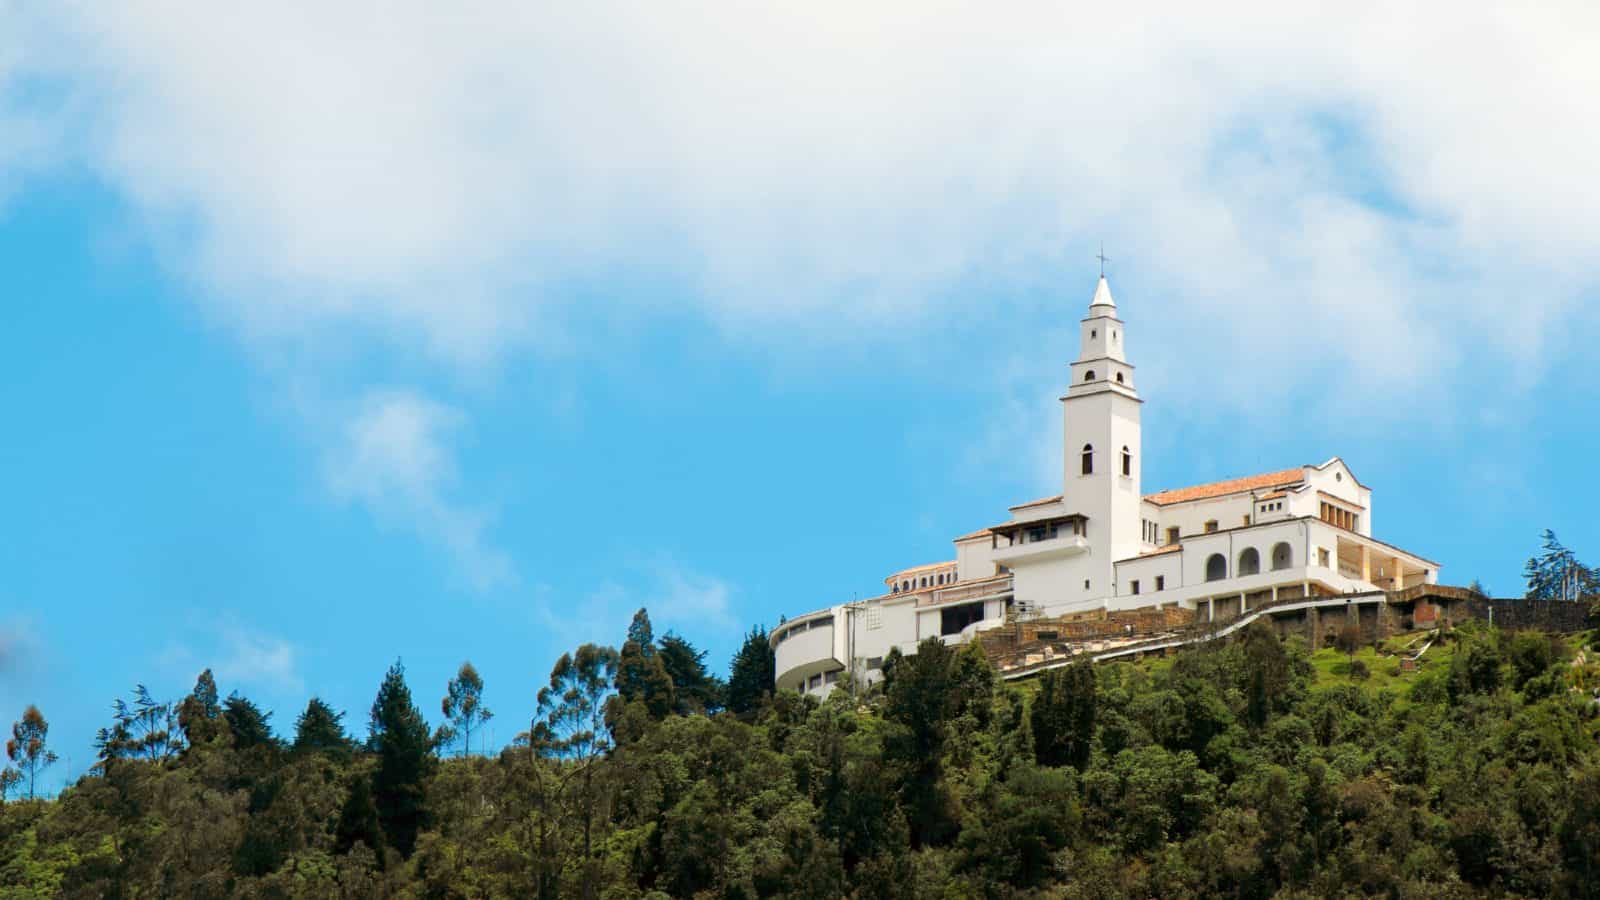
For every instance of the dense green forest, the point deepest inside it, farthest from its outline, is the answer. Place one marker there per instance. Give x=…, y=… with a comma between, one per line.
x=1254, y=768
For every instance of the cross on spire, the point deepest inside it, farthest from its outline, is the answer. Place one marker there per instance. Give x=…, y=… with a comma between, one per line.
x=1103, y=259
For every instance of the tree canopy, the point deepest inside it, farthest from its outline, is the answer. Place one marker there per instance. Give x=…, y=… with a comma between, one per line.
x=1253, y=767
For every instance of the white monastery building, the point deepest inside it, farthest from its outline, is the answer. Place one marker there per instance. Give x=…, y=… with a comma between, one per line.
x=1102, y=544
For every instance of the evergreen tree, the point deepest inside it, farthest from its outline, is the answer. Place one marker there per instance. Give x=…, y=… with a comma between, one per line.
x=642, y=679
x=919, y=697
x=751, y=673
x=320, y=728
x=247, y=723
x=695, y=691
x=640, y=632
x=1063, y=716
x=399, y=736
x=144, y=729
x=358, y=820
x=1556, y=574
x=28, y=747
x=200, y=713
x=463, y=709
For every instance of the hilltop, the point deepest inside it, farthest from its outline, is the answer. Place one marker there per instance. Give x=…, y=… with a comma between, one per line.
x=1252, y=767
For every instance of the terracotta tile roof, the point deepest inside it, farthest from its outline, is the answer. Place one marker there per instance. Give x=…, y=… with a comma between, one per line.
x=916, y=569
x=1234, y=486
x=1274, y=495
x=1040, y=502
x=981, y=532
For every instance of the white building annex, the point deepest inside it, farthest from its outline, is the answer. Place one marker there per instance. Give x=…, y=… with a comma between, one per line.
x=1102, y=544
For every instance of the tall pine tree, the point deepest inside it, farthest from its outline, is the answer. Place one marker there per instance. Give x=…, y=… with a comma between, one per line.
x=695, y=691
x=399, y=736
x=751, y=674
x=1556, y=574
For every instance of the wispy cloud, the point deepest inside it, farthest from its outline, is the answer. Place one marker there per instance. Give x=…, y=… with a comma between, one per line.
x=676, y=596
x=1323, y=183
x=240, y=657
x=17, y=645
x=394, y=458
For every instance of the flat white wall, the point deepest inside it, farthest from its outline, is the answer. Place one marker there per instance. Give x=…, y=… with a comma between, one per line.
x=974, y=558
x=1145, y=569
x=1190, y=518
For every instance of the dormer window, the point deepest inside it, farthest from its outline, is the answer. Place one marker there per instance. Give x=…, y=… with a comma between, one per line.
x=1088, y=459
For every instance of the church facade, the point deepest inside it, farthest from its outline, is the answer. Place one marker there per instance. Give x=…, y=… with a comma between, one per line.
x=1102, y=544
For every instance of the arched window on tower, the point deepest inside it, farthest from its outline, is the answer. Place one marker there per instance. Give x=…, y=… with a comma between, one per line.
x=1119, y=378
x=1088, y=459
x=1127, y=463
x=1216, y=567
x=1089, y=375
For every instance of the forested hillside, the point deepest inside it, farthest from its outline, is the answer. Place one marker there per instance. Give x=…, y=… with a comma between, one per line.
x=1251, y=769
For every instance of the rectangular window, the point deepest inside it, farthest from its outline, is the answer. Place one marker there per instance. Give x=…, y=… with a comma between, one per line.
x=1247, y=520
x=874, y=662
x=1172, y=535
x=816, y=682
x=874, y=618
x=831, y=678
x=1161, y=582
x=1322, y=557
x=1136, y=586
x=1211, y=526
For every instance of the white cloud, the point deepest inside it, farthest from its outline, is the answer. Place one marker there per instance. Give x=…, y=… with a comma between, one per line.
x=677, y=598
x=1284, y=180
x=394, y=458
x=259, y=659
x=18, y=641
x=240, y=658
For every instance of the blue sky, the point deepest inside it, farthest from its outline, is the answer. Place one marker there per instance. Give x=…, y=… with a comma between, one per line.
x=312, y=358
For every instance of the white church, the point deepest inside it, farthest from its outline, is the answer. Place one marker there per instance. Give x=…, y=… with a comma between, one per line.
x=1103, y=545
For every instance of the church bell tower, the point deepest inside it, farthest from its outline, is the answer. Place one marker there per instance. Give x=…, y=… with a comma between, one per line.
x=1102, y=447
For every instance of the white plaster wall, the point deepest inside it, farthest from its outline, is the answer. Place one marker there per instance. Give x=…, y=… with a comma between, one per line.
x=804, y=652
x=975, y=558
x=1338, y=480
x=1197, y=550
x=1054, y=584
x=1108, y=421
x=1145, y=569
x=1190, y=518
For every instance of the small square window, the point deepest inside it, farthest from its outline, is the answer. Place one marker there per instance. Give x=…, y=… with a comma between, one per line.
x=1161, y=582
x=1211, y=526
